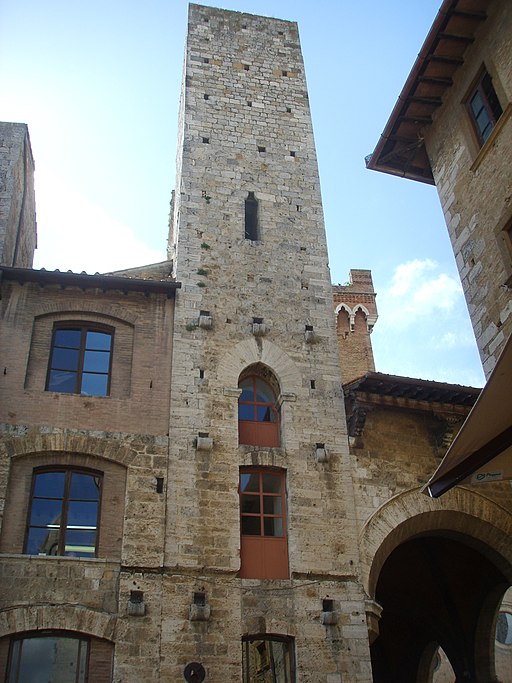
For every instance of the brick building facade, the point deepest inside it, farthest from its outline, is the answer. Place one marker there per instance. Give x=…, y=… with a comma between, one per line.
x=202, y=475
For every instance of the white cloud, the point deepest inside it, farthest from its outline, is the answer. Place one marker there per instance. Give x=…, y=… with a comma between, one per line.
x=418, y=291
x=75, y=234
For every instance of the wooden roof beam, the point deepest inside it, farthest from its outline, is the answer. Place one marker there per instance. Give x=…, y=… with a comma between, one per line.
x=445, y=35
x=468, y=14
x=445, y=59
x=436, y=80
x=434, y=101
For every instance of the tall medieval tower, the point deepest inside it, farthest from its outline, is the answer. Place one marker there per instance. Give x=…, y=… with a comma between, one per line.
x=254, y=323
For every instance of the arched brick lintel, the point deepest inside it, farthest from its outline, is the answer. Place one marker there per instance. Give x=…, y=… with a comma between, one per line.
x=409, y=514
x=250, y=352
x=57, y=618
x=69, y=442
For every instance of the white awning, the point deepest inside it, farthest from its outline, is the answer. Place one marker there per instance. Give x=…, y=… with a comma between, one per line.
x=482, y=450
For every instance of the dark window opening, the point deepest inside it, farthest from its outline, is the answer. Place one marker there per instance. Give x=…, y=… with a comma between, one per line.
x=484, y=106
x=292, y=153
x=200, y=598
x=206, y=60
x=48, y=657
x=261, y=149
x=285, y=73
x=64, y=513
x=251, y=218
x=246, y=67
x=327, y=605
x=249, y=103
x=206, y=97
x=312, y=384
x=206, y=141
x=288, y=110
x=268, y=659
x=80, y=360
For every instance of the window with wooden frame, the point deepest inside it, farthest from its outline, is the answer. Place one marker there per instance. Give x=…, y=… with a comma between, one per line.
x=264, y=543
x=268, y=659
x=48, y=656
x=80, y=359
x=258, y=419
x=483, y=105
x=64, y=511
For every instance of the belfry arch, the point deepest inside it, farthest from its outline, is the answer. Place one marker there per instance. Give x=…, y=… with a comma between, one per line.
x=439, y=573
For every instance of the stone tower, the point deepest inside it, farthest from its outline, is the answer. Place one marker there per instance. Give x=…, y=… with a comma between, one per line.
x=255, y=309
x=356, y=314
x=17, y=199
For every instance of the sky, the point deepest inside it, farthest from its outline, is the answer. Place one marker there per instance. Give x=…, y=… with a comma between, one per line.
x=98, y=83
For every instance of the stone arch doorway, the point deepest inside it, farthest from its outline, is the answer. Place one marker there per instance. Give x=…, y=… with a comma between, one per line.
x=438, y=589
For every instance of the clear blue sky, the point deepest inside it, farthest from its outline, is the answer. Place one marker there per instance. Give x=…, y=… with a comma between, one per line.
x=98, y=83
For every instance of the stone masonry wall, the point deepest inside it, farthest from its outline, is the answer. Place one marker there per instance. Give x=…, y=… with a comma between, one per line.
x=247, y=129
x=17, y=199
x=475, y=186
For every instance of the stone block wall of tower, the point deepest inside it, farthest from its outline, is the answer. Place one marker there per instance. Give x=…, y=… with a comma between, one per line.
x=474, y=183
x=17, y=199
x=257, y=303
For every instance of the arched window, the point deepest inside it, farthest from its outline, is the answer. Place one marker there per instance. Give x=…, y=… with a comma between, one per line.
x=61, y=656
x=258, y=419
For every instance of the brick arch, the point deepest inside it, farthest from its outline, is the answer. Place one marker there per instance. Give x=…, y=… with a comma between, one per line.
x=250, y=352
x=411, y=513
x=96, y=308
x=66, y=441
x=75, y=618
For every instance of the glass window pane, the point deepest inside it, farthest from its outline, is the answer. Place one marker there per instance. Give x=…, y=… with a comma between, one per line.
x=265, y=414
x=69, y=338
x=84, y=487
x=45, y=512
x=247, y=395
x=80, y=543
x=42, y=542
x=476, y=104
x=271, y=483
x=251, y=526
x=273, y=526
x=249, y=481
x=263, y=391
x=94, y=385
x=49, y=659
x=65, y=359
x=100, y=341
x=245, y=411
x=64, y=382
x=49, y=484
x=82, y=514
x=272, y=505
x=251, y=504
x=96, y=361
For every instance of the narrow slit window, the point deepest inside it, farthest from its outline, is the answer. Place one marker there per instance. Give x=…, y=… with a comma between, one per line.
x=251, y=217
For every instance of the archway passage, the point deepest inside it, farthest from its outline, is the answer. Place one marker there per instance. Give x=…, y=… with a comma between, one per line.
x=436, y=589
